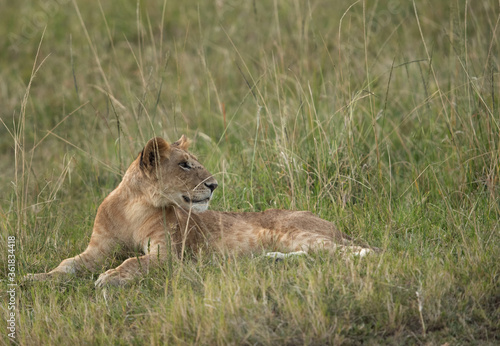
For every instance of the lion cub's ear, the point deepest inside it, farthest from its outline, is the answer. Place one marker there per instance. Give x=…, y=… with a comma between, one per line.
x=183, y=143
x=155, y=150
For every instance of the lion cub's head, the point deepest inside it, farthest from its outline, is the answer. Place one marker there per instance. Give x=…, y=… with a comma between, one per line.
x=168, y=175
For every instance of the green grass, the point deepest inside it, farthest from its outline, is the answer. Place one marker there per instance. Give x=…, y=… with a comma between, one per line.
x=380, y=116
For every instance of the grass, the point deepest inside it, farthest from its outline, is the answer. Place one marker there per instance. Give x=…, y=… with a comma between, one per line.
x=380, y=116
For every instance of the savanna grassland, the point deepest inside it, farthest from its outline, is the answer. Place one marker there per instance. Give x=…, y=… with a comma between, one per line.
x=382, y=116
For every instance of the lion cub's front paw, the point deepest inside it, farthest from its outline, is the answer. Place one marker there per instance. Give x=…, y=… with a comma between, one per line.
x=112, y=277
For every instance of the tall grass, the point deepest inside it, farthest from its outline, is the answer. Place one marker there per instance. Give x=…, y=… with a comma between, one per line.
x=380, y=116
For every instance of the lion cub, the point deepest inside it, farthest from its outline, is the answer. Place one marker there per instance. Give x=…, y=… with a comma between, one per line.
x=161, y=206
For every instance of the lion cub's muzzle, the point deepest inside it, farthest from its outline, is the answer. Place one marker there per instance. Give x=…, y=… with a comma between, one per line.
x=200, y=197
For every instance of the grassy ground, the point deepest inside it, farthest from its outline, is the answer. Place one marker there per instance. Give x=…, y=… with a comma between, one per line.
x=381, y=116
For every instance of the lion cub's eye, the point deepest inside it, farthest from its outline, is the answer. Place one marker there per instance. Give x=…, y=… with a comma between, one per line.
x=185, y=165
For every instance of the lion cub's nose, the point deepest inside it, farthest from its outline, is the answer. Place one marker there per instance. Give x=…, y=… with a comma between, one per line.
x=211, y=185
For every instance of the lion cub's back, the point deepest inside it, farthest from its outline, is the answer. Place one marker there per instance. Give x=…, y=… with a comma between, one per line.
x=248, y=230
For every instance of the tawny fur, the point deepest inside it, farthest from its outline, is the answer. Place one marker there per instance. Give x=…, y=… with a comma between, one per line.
x=160, y=207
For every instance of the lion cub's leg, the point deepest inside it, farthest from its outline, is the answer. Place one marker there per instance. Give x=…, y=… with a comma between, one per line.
x=303, y=231
x=155, y=250
x=98, y=251
x=342, y=249
x=305, y=242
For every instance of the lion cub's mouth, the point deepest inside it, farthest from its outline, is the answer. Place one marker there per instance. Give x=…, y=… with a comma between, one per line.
x=196, y=201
